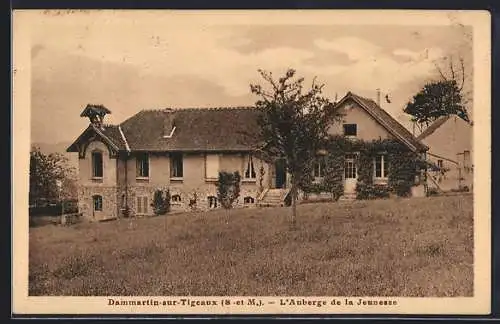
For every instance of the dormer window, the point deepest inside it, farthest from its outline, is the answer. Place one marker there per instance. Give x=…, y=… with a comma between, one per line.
x=350, y=130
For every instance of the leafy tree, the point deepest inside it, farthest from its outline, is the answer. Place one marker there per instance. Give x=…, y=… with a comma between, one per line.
x=228, y=188
x=436, y=99
x=161, y=202
x=293, y=124
x=442, y=97
x=51, y=177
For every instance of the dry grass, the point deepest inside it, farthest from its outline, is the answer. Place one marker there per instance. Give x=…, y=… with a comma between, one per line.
x=406, y=247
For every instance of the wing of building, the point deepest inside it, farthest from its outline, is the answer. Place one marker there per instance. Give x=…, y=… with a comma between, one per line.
x=449, y=140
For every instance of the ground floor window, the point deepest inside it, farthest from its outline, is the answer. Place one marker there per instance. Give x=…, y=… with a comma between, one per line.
x=380, y=165
x=319, y=168
x=176, y=198
x=123, y=203
x=212, y=202
x=97, y=200
x=440, y=164
x=142, y=205
x=248, y=200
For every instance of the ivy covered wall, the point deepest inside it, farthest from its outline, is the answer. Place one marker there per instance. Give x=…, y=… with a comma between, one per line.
x=403, y=167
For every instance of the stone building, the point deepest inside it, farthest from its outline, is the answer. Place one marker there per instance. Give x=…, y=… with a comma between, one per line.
x=184, y=149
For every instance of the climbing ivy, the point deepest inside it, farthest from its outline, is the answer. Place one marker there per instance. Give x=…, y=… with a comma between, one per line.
x=403, y=166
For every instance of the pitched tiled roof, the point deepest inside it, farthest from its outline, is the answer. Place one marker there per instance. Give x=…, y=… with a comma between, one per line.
x=113, y=133
x=196, y=129
x=109, y=133
x=386, y=120
x=435, y=125
x=213, y=129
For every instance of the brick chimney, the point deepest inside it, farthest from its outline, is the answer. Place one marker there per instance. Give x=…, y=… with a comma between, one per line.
x=378, y=97
x=168, y=122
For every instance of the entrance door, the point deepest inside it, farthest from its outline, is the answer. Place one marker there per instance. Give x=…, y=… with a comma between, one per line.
x=280, y=173
x=350, y=174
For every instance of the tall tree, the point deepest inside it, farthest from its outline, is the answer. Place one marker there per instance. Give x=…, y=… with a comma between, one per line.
x=293, y=123
x=443, y=96
x=50, y=176
x=436, y=99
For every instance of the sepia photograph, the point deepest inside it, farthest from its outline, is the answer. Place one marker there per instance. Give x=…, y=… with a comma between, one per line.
x=252, y=161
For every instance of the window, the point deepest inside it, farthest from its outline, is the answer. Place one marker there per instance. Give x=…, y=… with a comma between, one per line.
x=142, y=165
x=248, y=200
x=176, y=165
x=97, y=200
x=176, y=198
x=212, y=166
x=142, y=205
x=381, y=166
x=440, y=164
x=350, y=129
x=249, y=168
x=97, y=164
x=212, y=202
x=319, y=168
x=122, y=204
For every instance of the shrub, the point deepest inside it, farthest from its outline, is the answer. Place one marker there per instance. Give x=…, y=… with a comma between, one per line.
x=193, y=201
x=228, y=188
x=161, y=203
x=432, y=192
x=126, y=211
x=371, y=191
x=402, y=188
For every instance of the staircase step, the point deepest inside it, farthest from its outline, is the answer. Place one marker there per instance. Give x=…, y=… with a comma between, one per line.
x=273, y=198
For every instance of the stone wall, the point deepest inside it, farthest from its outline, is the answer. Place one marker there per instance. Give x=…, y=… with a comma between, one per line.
x=109, y=202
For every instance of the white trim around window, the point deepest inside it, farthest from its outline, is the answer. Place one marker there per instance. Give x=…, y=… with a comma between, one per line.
x=380, y=167
x=142, y=166
x=318, y=170
x=176, y=166
x=249, y=170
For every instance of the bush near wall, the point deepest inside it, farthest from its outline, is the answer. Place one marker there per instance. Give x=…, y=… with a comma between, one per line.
x=403, y=168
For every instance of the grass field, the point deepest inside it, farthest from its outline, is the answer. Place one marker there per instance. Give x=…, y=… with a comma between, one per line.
x=406, y=247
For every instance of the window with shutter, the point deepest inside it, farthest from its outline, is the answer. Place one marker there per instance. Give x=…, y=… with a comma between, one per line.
x=139, y=205
x=212, y=166
x=142, y=205
x=145, y=205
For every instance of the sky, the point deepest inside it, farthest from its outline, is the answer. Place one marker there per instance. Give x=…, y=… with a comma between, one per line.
x=131, y=64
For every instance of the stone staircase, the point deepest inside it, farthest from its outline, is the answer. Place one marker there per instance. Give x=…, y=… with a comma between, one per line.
x=273, y=198
x=348, y=197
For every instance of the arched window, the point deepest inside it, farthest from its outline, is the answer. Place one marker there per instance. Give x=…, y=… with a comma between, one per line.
x=97, y=167
x=212, y=202
x=248, y=200
x=97, y=202
x=176, y=198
